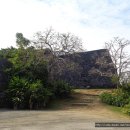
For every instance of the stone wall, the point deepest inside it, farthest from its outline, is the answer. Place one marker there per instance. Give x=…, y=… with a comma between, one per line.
x=96, y=69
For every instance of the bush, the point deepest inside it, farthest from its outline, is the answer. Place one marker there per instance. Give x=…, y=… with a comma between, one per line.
x=39, y=95
x=16, y=91
x=117, y=98
x=25, y=94
x=120, y=98
x=126, y=87
x=119, y=101
x=106, y=98
x=61, y=89
x=126, y=109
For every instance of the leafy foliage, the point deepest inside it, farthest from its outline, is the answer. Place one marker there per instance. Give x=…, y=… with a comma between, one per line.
x=106, y=98
x=125, y=87
x=21, y=40
x=16, y=91
x=126, y=109
x=61, y=89
x=117, y=98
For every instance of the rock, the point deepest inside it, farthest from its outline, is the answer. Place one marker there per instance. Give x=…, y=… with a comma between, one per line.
x=96, y=70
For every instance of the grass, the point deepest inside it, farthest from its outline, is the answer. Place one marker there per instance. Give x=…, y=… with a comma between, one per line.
x=116, y=109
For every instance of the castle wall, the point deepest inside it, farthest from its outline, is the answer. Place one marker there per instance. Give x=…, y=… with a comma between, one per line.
x=96, y=69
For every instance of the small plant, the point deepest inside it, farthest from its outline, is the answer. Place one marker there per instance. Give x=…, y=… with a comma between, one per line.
x=117, y=98
x=126, y=109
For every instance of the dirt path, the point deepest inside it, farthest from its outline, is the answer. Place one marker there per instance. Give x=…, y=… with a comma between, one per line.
x=79, y=113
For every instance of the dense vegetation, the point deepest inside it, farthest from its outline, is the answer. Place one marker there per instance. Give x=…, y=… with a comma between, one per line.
x=118, y=97
x=32, y=69
x=28, y=80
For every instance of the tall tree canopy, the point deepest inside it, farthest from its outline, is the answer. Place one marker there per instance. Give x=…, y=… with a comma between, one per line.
x=21, y=40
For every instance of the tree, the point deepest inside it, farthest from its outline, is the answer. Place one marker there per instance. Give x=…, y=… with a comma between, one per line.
x=117, y=48
x=55, y=45
x=21, y=40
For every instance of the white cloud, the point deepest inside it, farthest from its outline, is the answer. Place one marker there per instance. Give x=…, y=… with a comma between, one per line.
x=94, y=21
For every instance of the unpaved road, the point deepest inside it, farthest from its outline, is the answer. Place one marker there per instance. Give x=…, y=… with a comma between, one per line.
x=80, y=113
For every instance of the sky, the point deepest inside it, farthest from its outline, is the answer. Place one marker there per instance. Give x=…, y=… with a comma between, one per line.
x=94, y=21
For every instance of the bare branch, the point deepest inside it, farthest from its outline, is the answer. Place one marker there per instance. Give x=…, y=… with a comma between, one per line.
x=120, y=58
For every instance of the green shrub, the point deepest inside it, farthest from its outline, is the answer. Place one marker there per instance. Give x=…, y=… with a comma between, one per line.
x=106, y=98
x=61, y=89
x=120, y=98
x=126, y=87
x=119, y=101
x=17, y=90
x=39, y=95
x=126, y=109
x=117, y=98
x=25, y=94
